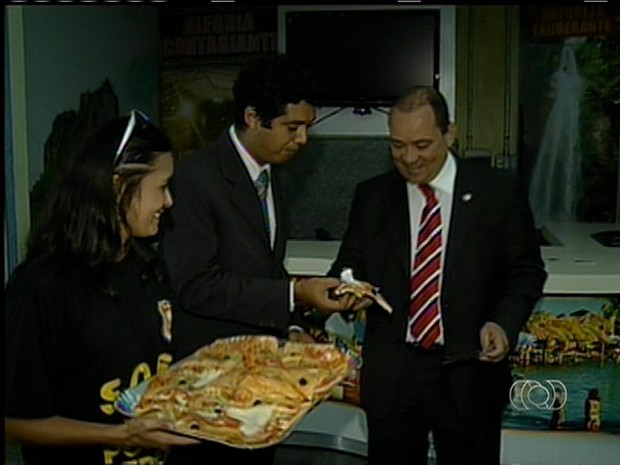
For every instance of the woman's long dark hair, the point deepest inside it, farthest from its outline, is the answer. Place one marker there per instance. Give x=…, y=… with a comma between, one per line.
x=82, y=216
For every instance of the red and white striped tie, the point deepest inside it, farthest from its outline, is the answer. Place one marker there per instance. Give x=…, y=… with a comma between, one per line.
x=424, y=311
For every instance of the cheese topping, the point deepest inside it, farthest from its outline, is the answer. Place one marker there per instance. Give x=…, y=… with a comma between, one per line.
x=254, y=418
x=207, y=378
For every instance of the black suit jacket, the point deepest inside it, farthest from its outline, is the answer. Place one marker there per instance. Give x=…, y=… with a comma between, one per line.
x=493, y=272
x=228, y=279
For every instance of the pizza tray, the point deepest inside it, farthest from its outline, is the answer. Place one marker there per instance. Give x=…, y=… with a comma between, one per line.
x=260, y=421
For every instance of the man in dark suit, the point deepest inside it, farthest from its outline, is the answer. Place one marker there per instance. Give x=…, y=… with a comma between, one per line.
x=225, y=244
x=487, y=275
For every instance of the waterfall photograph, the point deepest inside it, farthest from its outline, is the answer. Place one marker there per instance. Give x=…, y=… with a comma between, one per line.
x=570, y=116
x=556, y=183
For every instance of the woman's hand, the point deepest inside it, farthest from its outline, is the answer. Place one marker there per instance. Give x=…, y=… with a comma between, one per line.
x=67, y=432
x=151, y=433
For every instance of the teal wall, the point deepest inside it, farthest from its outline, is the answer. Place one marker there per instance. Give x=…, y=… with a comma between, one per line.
x=73, y=49
x=56, y=54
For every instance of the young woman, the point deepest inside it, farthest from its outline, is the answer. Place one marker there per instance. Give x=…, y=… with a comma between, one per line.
x=89, y=313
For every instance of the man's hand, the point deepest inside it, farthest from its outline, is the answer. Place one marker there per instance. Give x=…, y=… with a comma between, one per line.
x=297, y=335
x=356, y=304
x=494, y=342
x=318, y=293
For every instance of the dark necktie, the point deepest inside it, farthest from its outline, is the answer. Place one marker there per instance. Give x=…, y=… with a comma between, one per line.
x=262, y=188
x=424, y=311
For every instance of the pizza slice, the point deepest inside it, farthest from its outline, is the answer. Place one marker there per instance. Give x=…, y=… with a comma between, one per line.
x=254, y=420
x=221, y=428
x=171, y=401
x=240, y=345
x=360, y=289
x=258, y=388
x=321, y=355
x=258, y=361
x=313, y=383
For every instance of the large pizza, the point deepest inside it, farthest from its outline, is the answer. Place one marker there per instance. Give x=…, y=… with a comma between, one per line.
x=246, y=392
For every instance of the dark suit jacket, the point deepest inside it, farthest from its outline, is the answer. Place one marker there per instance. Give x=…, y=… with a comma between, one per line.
x=217, y=250
x=493, y=271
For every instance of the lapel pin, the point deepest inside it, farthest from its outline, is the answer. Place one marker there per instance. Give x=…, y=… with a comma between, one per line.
x=466, y=197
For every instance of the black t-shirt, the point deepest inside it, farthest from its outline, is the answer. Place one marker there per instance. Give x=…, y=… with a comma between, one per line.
x=75, y=340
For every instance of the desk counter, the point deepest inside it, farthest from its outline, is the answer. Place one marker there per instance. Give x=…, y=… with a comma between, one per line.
x=340, y=426
x=575, y=261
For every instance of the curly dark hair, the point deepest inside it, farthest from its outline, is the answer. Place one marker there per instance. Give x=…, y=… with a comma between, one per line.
x=269, y=84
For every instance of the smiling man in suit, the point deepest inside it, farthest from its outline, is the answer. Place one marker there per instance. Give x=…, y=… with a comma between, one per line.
x=225, y=244
x=451, y=244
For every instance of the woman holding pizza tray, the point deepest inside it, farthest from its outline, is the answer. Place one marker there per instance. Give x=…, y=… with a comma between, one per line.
x=89, y=313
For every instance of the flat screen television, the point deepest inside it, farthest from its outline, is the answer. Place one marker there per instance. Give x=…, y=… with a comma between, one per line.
x=364, y=58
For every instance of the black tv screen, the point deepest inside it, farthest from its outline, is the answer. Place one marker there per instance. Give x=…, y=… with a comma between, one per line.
x=365, y=57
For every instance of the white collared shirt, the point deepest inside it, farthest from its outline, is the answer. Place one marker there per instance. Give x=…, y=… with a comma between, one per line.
x=254, y=170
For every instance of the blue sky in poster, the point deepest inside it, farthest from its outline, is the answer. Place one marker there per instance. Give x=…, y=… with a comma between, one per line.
x=556, y=305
